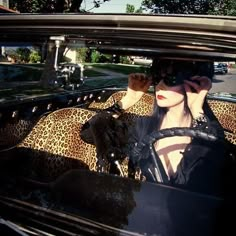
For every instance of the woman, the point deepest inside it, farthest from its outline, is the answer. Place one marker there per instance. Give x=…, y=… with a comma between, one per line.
x=180, y=90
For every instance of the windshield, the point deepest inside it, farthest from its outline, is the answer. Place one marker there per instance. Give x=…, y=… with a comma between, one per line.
x=33, y=69
x=38, y=69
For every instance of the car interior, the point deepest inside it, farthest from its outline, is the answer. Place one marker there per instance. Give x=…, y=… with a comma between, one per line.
x=40, y=127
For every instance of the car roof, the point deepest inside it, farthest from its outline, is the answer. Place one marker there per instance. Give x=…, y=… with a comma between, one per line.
x=181, y=36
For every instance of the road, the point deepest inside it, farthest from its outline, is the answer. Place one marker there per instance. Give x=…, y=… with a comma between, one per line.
x=225, y=83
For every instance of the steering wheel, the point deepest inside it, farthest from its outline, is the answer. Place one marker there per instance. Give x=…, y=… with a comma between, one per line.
x=159, y=175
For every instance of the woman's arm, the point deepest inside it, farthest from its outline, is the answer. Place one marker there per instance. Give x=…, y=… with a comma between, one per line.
x=138, y=84
x=202, y=116
x=196, y=90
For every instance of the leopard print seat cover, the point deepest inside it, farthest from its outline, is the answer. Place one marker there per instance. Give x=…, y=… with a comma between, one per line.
x=225, y=113
x=57, y=147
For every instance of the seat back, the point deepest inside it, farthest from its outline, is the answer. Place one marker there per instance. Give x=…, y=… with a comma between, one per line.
x=226, y=114
x=54, y=144
x=143, y=107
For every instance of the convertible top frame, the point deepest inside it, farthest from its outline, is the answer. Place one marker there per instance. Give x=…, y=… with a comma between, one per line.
x=203, y=37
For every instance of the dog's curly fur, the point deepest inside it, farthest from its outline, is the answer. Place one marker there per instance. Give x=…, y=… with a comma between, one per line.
x=109, y=135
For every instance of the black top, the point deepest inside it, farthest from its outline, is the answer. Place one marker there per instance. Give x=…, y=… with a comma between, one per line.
x=202, y=165
x=199, y=170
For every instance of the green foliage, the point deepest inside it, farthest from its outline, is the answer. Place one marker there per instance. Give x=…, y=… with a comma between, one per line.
x=131, y=9
x=215, y=7
x=45, y=6
x=50, y=6
x=230, y=10
x=82, y=55
x=97, y=57
x=24, y=54
x=32, y=6
x=34, y=57
x=125, y=60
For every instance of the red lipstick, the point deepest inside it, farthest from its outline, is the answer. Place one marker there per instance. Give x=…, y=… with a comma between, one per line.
x=160, y=97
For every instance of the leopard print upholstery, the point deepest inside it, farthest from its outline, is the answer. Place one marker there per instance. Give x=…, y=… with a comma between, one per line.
x=224, y=111
x=143, y=107
x=55, y=144
x=226, y=114
x=14, y=132
x=147, y=101
x=56, y=140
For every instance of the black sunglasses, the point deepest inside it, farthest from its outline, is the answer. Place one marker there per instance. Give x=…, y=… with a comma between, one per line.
x=169, y=80
x=182, y=70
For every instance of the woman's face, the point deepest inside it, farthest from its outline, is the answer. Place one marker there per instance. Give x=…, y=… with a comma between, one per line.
x=169, y=96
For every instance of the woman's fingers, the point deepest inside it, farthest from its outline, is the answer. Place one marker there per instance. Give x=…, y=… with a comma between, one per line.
x=139, y=76
x=187, y=88
x=199, y=83
x=147, y=84
x=139, y=82
x=203, y=81
x=193, y=86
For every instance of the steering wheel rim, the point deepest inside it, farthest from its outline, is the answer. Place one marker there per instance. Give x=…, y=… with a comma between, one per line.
x=150, y=139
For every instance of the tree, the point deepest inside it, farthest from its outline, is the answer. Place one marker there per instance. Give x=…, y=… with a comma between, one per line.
x=82, y=54
x=131, y=9
x=32, y=6
x=231, y=10
x=217, y=7
x=23, y=54
x=34, y=57
x=50, y=6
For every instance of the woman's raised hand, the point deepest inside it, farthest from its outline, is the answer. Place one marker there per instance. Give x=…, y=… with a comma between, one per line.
x=196, y=90
x=138, y=84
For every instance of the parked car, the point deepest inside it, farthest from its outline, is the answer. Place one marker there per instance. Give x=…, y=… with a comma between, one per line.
x=43, y=192
x=225, y=67
x=221, y=68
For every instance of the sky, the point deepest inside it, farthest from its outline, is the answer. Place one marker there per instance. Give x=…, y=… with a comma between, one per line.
x=112, y=6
